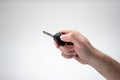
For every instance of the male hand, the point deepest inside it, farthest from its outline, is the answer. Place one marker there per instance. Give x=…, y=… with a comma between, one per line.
x=81, y=50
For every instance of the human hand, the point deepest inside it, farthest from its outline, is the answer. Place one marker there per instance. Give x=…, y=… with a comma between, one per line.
x=86, y=54
x=82, y=50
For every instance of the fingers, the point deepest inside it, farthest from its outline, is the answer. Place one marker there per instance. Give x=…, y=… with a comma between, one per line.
x=70, y=56
x=67, y=56
x=67, y=51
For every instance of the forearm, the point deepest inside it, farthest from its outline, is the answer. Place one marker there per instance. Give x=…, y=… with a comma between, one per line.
x=106, y=66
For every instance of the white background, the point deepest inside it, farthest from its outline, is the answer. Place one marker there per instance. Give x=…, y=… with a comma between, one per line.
x=27, y=54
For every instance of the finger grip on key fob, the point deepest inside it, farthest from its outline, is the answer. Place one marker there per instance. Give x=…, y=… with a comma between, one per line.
x=56, y=37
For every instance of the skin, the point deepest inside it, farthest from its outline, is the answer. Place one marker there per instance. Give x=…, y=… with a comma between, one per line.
x=87, y=54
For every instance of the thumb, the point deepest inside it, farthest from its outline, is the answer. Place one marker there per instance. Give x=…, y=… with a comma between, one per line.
x=67, y=37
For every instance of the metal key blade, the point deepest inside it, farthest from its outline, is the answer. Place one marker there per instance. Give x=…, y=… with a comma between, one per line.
x=47, y=33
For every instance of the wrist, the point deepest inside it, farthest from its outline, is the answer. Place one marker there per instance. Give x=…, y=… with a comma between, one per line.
x=96, y=56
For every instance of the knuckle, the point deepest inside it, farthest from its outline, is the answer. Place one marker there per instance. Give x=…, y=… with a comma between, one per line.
x=72, y=34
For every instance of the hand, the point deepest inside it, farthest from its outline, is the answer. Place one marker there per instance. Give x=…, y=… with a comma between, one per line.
x=81, y=47
x=87, y=54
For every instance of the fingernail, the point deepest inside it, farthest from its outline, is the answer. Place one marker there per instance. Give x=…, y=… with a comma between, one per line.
x=62, y=36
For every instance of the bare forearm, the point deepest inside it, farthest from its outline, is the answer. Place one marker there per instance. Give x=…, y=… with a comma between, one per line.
x=106, y=66
x=87, y=54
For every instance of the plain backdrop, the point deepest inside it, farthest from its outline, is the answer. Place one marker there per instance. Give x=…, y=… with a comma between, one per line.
x=27, y=54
